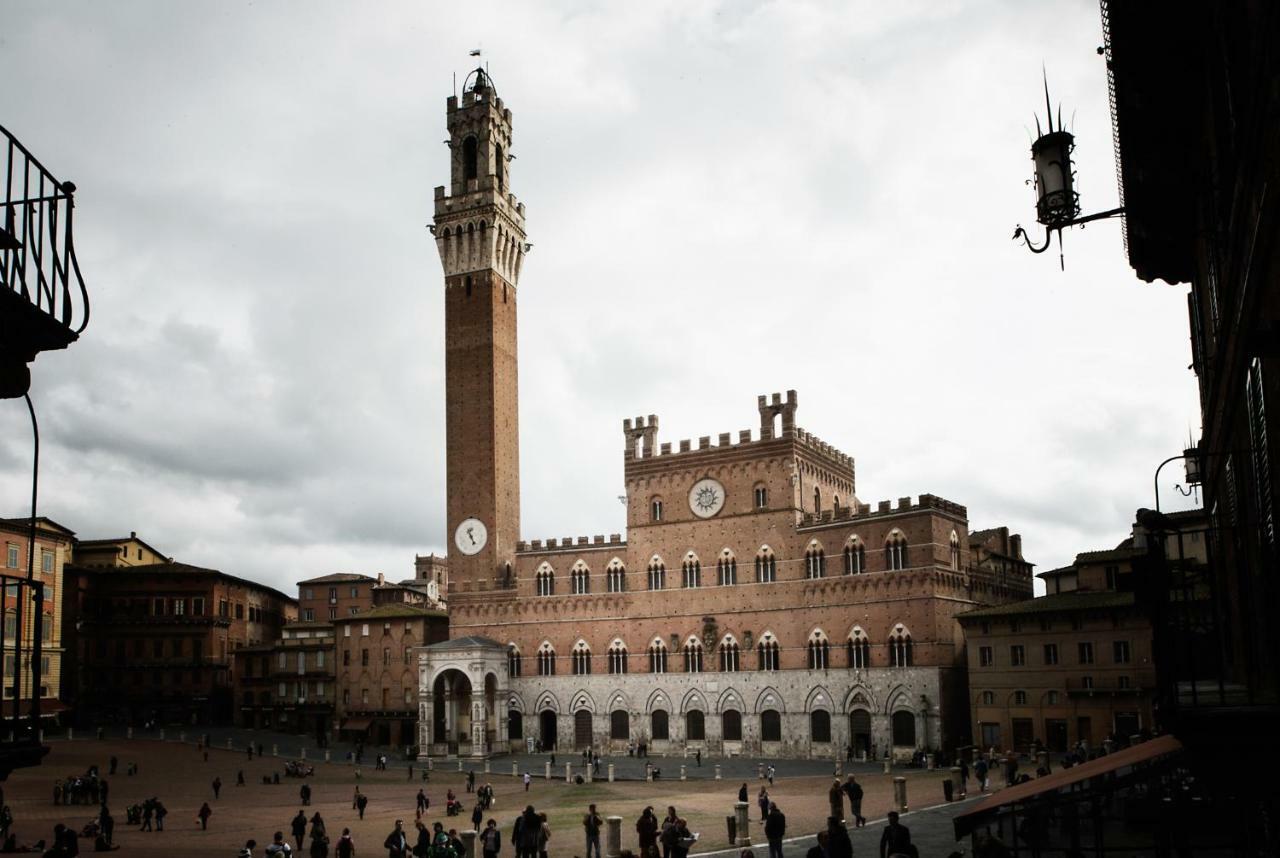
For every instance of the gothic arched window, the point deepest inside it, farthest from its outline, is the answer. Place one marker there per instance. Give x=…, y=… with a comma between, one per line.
x=859, y=650
x=692, y=572
x=546, y=660
x=768, y=653
x=727, y=569
x=693, y=656
x=616, y=576
x=545, y=580
x=815, y=562
x=513, y=661
x=657, y=574
x=580, y=579
x=581, y=659
x=618, y=657
x=900, y=648
x=955, y=551
x=729, y=655
x=819, y=651
x=499, y=164
x=895, y=552
x=657, y=657
x=855, y=557
x=766, y=566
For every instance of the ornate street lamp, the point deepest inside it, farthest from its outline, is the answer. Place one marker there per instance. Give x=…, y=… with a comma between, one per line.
x=1057, y=203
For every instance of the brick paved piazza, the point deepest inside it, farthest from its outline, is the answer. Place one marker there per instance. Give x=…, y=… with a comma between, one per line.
x=178, y=775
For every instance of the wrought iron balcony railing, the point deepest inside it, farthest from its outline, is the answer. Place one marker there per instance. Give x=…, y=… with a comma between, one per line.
x=43, y=301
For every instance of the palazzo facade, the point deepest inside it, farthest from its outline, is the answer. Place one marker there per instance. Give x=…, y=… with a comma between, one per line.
x=755, y=604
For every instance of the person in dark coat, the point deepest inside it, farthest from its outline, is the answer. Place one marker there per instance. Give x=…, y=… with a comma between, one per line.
x=362, y=801
x=203, y=815
x=217, y=787
x=838, y=843
x=397, y=844
x=298, y=828
x=422, y=844
x=647, y=833
x=835, y=798
x=742, y=792
x=853, y=790
x=819, y=849
x=896, y=839
x=775, y=828
x=530, y=833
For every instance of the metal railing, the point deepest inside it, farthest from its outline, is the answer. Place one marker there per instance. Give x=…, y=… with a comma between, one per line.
x=37, y=254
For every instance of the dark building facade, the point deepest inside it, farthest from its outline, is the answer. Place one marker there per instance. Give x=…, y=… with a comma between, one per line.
x=158, y=641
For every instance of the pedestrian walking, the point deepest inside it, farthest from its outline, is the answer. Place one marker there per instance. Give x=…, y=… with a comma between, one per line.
x=217, y=787
x=161, y=813
x=422, y=803
x=411, y=771
x=527, y=780
x=491, y=840
x=247, y=850
x=319, y=837
x=397, y=844
x=591, y=824
x=530, y=833
x=355, y=797
x=298, y=828
x=697, y=756
x=838, y=843
x=835, y=798
x=477, y=816
x=819, y=849
x=667, y=835
x=148, y=811
x=240, y=777
x=346, y=847
x=203, y=815
x=305, y=794
x=771, y=771
x=362, y=801
x=775, y=828
x=762, y=800
x=422, y=845
x=980, y=772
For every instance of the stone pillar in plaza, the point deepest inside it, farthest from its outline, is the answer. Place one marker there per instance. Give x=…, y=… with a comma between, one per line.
x=548, y=773
x=717, y=771
x=468, y=843
x=683, y=775
x=515, y=770
x=613, y=837
x=900, y=794
x=611, y=775
x=228, y=744
x=568, y=773
x=486, y=765
x=742, y=812
x=302, y=753
x=957, y=781
x=586, y=772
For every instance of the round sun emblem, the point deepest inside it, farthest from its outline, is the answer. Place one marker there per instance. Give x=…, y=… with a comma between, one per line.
x=706, y=498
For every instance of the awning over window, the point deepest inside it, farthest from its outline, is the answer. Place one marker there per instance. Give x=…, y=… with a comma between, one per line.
x=48, y=709
x=356, y=724
x=991, y=806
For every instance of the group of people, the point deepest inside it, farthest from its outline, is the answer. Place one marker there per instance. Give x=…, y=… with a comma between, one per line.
x=85, y=789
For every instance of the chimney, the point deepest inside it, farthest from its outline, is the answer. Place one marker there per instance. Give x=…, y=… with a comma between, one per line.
x=381, y=579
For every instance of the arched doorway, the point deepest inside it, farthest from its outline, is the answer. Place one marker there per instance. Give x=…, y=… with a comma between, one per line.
x=619, y=725
x=860, y=732
x=582, y=729
x=451, y=715
x=547, y=729
x=515, y=725
x=904, y=729
x=659, y=725
x=820, y=726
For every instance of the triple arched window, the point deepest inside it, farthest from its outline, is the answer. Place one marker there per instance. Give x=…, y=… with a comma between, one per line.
x=766, y=566
x=855, y=557
x=545, y=581
x=693, y=656
x=895, y=552
x=657, y=574
x=692, y=572
x=657, y=657
x=767, y=653
x=513, y=661
x=859, y=650
x=580, y=579
x=900, y=648
x=819, y=651
x=727, y=569
x=618, y=657
x=815, y=562
x=580, y=659
x=729, y=656
x=546, y=660
x=615, y=576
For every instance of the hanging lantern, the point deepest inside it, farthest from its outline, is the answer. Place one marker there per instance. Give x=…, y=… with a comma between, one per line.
x=1057, y=203
x=1191, y=457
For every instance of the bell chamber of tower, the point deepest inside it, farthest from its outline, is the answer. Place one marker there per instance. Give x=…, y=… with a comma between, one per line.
x=479, y=232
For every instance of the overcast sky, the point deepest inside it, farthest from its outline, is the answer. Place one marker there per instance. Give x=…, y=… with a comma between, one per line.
x=726, y=199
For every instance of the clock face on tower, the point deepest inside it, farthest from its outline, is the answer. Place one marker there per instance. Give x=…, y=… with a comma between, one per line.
x=706, y=498
x=471, y=536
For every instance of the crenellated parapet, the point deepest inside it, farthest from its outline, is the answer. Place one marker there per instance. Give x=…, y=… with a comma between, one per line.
x=884, y=508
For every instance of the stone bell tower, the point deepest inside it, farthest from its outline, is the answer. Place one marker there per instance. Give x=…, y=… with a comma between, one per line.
x=479, y=230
